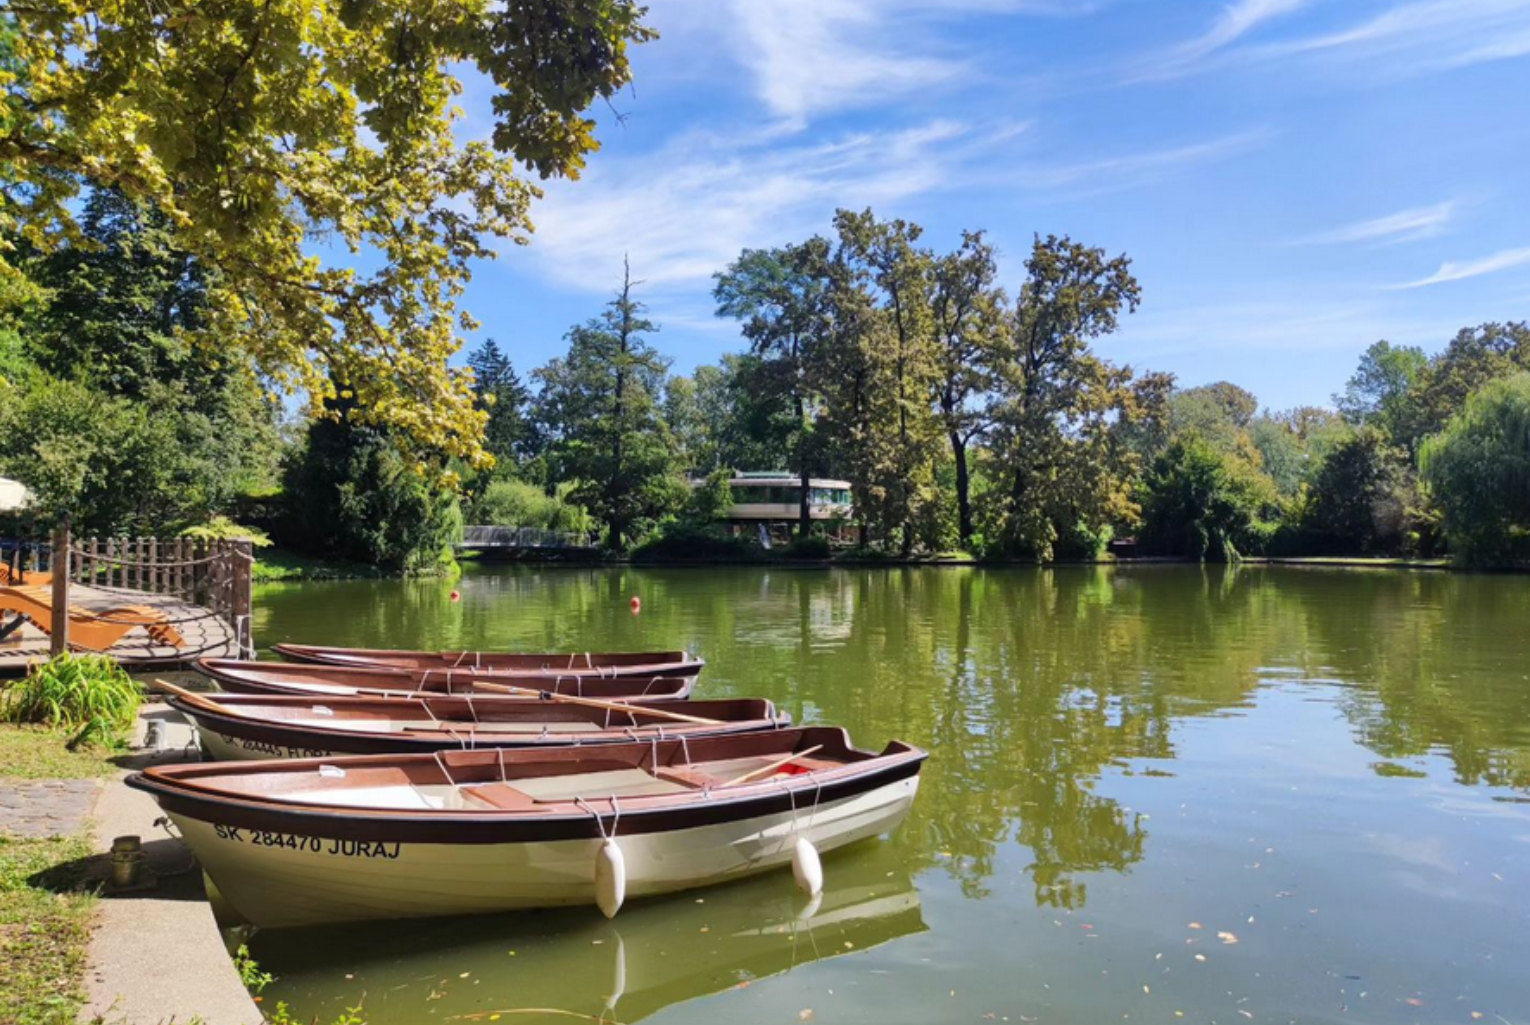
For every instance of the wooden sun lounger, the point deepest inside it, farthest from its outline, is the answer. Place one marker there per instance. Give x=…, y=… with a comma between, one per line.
x=25, y=577
x=95, y=631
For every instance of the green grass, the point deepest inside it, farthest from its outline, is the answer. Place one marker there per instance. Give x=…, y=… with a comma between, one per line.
x=44, y=930
x=42, y=752
x=275, y=565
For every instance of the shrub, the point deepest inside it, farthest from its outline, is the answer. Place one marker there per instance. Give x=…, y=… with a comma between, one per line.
x=350, y=494
x=681, y=541
x=91, y=693
x=515, y=503
x=221, y=528
x=815, y=546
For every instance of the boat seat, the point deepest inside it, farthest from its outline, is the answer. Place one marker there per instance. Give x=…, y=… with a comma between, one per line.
x=687, y=777
x=500, y=796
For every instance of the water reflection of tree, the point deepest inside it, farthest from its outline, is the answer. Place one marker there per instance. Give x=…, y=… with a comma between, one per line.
x=1029, y=686
x=1434, y=663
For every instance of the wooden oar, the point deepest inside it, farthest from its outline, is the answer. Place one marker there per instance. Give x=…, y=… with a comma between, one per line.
x=194, y=698
x=610, y=706
x=773, y=766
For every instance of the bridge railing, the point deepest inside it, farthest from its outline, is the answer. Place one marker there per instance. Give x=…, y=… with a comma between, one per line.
x=521, y=537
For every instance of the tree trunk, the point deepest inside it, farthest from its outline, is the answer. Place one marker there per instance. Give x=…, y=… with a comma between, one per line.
x=963, y=499
x=804, y=515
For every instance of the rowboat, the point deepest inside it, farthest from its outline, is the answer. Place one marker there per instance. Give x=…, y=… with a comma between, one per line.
x=245, y=677
x=232, y=727
x=305, y=841
x=587, y=663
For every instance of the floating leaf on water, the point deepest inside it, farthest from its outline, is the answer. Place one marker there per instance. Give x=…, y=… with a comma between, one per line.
x=806, y=1014
x=1227, y=938
x=1195, y=925
x=1200, y=957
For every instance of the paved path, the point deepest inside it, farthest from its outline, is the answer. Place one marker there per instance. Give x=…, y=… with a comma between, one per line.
x=38, y=808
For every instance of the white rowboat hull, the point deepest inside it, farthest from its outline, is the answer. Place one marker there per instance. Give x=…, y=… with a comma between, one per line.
x=277, y=880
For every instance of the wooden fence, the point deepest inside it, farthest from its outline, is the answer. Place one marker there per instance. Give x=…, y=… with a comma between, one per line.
x=212, y=574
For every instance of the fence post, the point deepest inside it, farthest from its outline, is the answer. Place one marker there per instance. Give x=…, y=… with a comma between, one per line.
x=59, y=641
x=243, y=554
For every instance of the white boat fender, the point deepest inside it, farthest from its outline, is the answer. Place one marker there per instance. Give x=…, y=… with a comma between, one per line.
x=810, y=908
x=610, y=878
x=610, y=864
x=807, y=869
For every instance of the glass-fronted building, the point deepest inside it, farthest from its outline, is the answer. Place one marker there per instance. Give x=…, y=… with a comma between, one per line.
x=772, y=501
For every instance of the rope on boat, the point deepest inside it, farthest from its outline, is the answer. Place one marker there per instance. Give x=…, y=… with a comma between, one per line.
x=616, y=816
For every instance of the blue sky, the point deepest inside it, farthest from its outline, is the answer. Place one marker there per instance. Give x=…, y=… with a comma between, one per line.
x=1294, y=179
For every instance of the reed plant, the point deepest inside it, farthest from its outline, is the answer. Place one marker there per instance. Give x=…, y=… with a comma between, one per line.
x=88, y=693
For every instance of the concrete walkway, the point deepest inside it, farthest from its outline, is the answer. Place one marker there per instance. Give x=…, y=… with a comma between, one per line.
x=156, y=955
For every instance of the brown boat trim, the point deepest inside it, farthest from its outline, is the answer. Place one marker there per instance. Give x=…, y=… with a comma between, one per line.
x=660, y=663
x=246, y=677
x=488, y=828
x=638, y=815
x=283, y=739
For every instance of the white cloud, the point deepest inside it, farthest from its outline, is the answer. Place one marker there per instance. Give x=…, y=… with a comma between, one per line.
x=1403, y=226
x=1428, y=35
x=1406, y=39
x=811, y=56
x=684, y=211
x=687, y=209
x=1237, y=20
x=1130, y=169
x=1452, y=271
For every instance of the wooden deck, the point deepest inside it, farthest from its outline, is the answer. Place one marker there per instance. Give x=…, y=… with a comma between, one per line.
x=206, y=635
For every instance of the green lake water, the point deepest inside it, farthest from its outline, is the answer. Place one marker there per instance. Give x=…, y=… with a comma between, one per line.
x=1154, y=794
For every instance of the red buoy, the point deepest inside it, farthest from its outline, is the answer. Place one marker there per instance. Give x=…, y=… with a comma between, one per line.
x=637, y=604
x=456, y=596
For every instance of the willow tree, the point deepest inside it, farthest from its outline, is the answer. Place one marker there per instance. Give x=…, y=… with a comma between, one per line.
x=1060, y=438
x=307, y=150
x=1478, y=469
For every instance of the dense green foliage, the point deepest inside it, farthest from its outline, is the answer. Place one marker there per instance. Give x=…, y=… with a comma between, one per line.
x=108, y=414
x=963, y=415
x=600, y=408
x=261, y=130
x=1202, y=502
x=350, y=494
x=1479, y=471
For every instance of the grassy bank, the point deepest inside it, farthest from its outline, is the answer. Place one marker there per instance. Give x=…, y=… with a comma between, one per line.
x=273, y=564
x=45, y=903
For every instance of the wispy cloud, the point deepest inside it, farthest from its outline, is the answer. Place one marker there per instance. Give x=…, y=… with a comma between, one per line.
x=1130, y=169
x=1411, y=38
x=1403, y=226
x=1451, y=271
x=811, y=56
x=1237, y=20
x=685, y=210
x=1427, y=35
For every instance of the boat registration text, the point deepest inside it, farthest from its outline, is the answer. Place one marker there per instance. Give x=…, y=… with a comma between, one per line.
x=318, y=845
